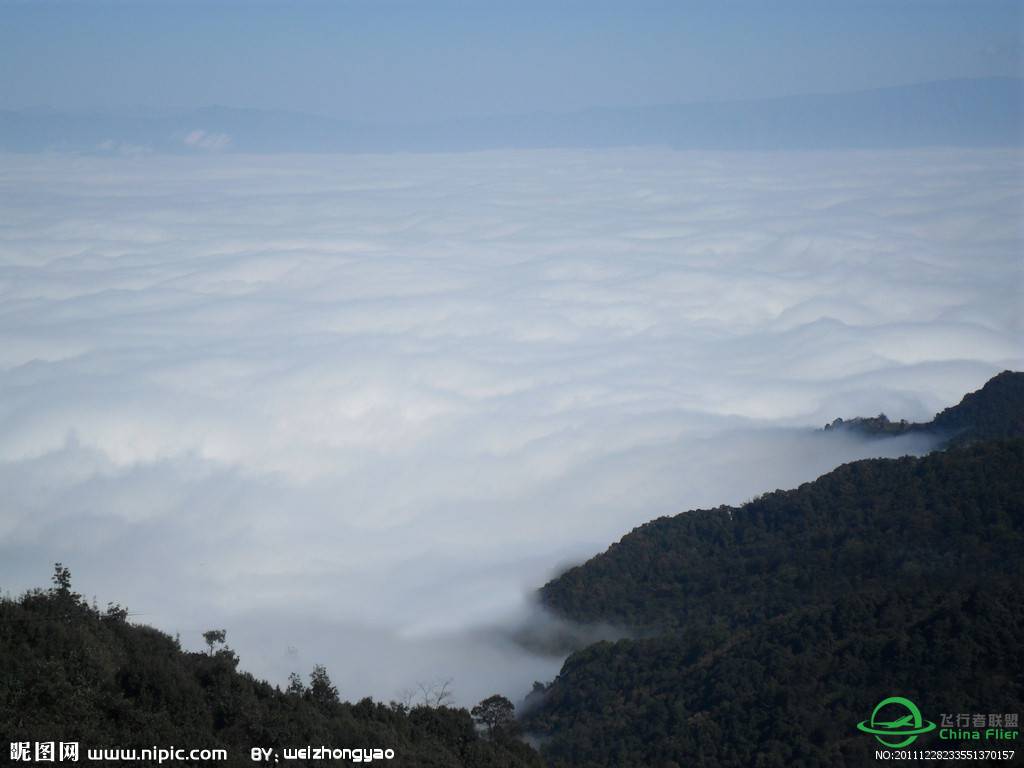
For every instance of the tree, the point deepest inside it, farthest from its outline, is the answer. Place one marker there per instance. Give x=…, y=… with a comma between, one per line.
x=116, y=612
x=321, y=689
x=61, y=580
x=215, y=637
x=66, y=602
x=436, y=694
x=295, y=685
x=497, y=713
x=431, y=695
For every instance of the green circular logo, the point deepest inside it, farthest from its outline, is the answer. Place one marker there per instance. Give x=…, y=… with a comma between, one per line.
x=899, y=731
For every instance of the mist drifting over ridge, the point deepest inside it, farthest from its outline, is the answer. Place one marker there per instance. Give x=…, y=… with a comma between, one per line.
x=355, y=408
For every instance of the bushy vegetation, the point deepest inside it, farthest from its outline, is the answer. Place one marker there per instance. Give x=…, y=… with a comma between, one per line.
x=71, y=672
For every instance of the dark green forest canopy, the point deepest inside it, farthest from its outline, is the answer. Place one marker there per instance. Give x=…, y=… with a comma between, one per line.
x=994, y=411
x=704, y=565
x=73, y=673
x=771, y=631
x=879, y=521
x=764, y=633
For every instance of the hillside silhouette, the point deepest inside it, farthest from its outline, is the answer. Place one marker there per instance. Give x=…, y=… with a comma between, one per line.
x=763, y=633
x=71, y=672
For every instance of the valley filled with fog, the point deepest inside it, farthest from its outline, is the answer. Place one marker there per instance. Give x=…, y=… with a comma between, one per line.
x=355, y=409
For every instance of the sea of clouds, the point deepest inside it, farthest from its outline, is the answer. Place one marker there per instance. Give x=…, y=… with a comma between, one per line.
x=355, y=409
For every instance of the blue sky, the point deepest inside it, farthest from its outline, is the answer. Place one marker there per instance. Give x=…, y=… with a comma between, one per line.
x=399, y=62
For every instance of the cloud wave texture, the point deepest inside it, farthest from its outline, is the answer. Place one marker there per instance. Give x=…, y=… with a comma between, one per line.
x=354, y=408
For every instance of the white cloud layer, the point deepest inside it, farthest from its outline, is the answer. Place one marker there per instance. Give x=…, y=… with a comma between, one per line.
x=355, y=408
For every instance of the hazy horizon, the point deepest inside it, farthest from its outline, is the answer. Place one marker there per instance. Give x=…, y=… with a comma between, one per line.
x=405, y=62
x=985, y=112
x=177, y=108
x=448, y=76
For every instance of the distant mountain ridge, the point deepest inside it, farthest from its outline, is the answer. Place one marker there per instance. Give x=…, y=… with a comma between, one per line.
x=994, y=411
x=984, y=112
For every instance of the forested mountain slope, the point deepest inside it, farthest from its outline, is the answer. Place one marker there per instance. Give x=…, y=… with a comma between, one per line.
x=996, y=410
x=69, y=672
x=876, y=521
x=764, y=633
